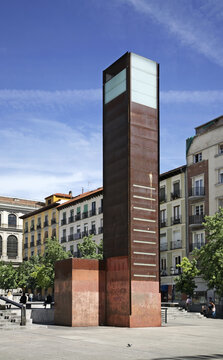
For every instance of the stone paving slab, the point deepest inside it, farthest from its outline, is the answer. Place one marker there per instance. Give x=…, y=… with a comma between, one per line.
x=181, y=339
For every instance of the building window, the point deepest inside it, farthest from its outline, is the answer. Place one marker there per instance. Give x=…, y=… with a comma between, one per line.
x=220, y=203
x=46, y=221
x=198, y=240
x=197, y=157
x=12, y=247
x=220, y=176
x=220, y=149
x=163, y=242
x=176, y=190
x=163, y=266
x=163, y=218
x=176, y=243
x=0, y=245
x=177, y=261
x=12, y=220
x=93, y=208
x=46, y=235
x=72, y=249
x=54, y=233
x=199, y=210
x=163, y=194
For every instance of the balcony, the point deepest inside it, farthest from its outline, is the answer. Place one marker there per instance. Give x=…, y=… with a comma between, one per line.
x=176, y=220
x=63, y=239
x=176, y=244
x=38, y=226
x=70, y=237
x=100, y=230
x=175, y=271
x=163, y=273
x=53, y=221
x=77, y=217
x=196, y=245
x=32, y=244
x=197, y=191
x=164, y=247
x=92, y=231
x=38, y=242
x=163, y=222
x=63, y=221
x=175, y=195
x=163, y=198
x=71, y=219
x=85, y=215
x=45, y=223
x=32, y=228
x=92, y=212
x=196, y=220
x=100, y=210
x=77, y=236
x=84, y=233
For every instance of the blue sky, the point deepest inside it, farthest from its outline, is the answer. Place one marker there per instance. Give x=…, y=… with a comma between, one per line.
x=52, y=54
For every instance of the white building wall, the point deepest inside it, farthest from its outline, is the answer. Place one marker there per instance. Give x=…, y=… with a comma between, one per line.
x=6, y=230
x=208, y=143
x=97, y=218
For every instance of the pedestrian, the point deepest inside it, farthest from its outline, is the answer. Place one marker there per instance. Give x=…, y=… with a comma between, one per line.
x=23, y=298
x=9, y=297
x=213, y=310
x=210, y=306
x=48, y=300
x=31, y=297
x=188, y=303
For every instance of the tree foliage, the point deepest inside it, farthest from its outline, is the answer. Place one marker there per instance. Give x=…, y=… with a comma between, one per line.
x=210, y=256
x=46, y=272
x=8, y=276
x=89, y=249
x=27, y=273
x=185, y=282
x=37, y=272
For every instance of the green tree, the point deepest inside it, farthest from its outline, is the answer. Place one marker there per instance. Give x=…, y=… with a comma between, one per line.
x=89, y=249
x=8, y=276
x=210, y=256
x=185, y=282
x=46, y=273
x=27, y=272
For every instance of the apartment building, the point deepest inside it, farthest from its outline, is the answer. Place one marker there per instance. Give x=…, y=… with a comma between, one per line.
x=80, y=217
x=172, y=228
x=11, y=227
x=42, y=224
x=205, y=178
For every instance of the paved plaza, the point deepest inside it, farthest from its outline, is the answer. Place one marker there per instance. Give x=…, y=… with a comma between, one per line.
x=179, y=339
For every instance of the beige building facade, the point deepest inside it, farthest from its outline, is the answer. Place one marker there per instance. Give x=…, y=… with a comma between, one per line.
x=173, y=243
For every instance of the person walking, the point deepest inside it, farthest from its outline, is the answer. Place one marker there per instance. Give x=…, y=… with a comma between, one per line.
x=213, y=310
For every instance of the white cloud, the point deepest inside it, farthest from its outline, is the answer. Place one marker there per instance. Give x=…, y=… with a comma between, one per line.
x=196, y=97
x=198, y=25
x=42, y=156
x=23, y=99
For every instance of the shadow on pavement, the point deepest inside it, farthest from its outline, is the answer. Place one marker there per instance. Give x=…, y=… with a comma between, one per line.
x=195, y=357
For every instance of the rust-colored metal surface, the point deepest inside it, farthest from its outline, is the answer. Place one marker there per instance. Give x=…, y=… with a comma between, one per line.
x=117, y=291
x=80, y=292
x=144, y=184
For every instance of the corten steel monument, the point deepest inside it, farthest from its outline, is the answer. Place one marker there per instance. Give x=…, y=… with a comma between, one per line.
x=131, y=204
x=122, y=289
